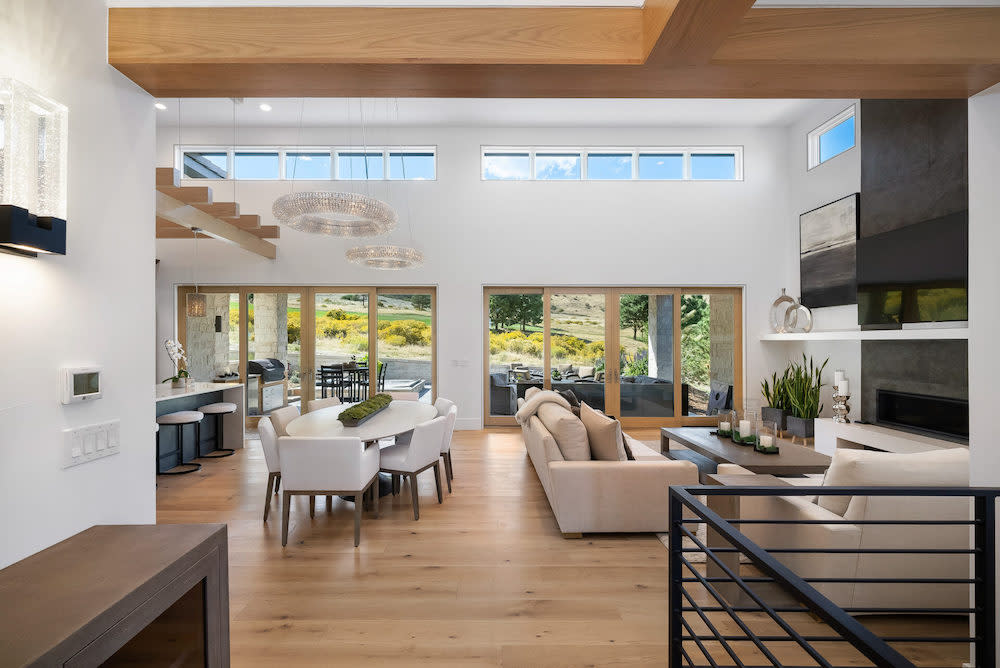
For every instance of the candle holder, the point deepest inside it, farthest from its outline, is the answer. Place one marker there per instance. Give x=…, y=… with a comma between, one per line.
x=767, y=437
x=725, y=428
x=745, y=429
x=841, y=408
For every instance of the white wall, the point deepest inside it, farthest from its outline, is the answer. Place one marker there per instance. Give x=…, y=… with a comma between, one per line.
x=809, y=189
x=984, y=279
x=95, y=305
x=477, y=233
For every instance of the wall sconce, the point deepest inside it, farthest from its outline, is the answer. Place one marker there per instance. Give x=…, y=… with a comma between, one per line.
x=33, y=131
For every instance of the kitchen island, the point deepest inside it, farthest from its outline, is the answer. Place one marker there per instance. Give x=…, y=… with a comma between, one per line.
x=189, y=398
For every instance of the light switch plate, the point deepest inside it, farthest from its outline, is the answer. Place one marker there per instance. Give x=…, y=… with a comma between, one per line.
x=90, y=442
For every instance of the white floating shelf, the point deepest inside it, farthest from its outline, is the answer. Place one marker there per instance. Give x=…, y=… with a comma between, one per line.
x=874, y=335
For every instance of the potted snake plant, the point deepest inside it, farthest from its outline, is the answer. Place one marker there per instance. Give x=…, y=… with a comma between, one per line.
x=776, y=395
x=804, y=384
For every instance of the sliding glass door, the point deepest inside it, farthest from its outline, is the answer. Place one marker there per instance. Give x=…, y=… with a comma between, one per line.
x=650, y=356
x=289, y=345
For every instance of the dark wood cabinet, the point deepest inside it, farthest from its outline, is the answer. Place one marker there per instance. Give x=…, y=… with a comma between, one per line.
x=128, y=595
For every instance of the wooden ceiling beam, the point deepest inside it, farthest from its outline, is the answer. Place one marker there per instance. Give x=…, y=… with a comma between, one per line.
x=872, y=36
x=186, y=215
x=394, y=35
x=168, y=230
x=696, y=29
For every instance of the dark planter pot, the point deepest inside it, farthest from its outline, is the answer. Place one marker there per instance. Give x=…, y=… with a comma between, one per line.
x=777, y=415
x=801, y=427
x=348, y=422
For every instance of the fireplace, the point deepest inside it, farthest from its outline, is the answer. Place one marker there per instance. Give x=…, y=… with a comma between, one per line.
x=935, y=416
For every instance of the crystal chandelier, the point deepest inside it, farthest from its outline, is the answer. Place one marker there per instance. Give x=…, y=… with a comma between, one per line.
x=386, y=257
x=339, y=214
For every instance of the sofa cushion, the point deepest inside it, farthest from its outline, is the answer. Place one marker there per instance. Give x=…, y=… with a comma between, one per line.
x=586, y=371
x=531, y=390
x=868, y=468
x=605, y=434
x=564, y=368
x=642, y=452
x=568, y=431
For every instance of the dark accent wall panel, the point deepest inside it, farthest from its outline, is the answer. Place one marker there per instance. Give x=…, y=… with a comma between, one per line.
x=914, y=162
x=935, y=368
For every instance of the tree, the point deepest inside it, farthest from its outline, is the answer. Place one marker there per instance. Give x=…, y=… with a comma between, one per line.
x=529, y=310
x=507, y=310
x=693, y=309
x=421, y=302
x=634, y=313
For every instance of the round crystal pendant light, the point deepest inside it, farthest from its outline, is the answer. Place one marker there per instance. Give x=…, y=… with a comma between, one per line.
x=339, y=214
x=386, y=257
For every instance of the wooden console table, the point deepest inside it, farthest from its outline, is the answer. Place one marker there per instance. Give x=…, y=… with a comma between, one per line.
x=711, y=450
x=83, y=601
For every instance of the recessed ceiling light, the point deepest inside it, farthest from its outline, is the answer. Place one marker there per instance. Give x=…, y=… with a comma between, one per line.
x=265, y=107
x=160, y=106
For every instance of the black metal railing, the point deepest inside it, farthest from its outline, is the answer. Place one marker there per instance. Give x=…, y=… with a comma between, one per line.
x=740, y=604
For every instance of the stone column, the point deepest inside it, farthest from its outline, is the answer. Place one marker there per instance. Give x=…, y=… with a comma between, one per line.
x=661, y=337
x=721, y=331
x=208, y=350
x=270, y=325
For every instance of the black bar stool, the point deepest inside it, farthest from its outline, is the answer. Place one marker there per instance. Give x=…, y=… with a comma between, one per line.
x=218, y=410
x=178, y=420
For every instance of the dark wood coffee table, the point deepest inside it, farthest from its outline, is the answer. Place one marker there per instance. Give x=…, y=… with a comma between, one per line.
x=710, y=451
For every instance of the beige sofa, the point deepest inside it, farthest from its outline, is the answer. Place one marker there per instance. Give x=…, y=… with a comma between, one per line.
x=603, y=496
x=862, y=468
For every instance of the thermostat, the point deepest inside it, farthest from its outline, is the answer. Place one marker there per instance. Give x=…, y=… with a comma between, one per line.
x=81, y=384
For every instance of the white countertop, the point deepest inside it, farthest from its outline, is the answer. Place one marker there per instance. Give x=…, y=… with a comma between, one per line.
x=164, y=391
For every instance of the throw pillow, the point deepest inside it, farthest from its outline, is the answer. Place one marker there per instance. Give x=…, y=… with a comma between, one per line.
x=568, y=431
x=605, y=434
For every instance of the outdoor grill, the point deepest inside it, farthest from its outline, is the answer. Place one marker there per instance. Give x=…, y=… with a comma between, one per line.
x=269, y=369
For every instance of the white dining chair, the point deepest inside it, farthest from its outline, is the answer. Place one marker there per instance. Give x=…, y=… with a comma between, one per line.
x=316, y=404
x=413, y=458
x=269, y=444
x=313, y=465
x=449, y=411
x=280, y=418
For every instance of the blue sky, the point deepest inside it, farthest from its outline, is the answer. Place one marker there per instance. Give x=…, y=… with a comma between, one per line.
x=836, y=140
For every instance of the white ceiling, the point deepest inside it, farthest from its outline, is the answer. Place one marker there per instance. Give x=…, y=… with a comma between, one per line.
x=458, y=112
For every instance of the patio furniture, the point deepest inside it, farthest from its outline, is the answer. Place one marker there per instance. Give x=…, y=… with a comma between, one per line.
x=331, y=380
x=380, y=386
x=503, y=395
x=269, y=372
x=720, y=398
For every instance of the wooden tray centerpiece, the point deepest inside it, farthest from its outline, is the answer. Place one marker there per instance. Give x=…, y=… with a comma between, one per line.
x=360, y=413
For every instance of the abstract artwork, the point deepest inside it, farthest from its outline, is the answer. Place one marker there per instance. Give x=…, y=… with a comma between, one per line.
x=828, y=238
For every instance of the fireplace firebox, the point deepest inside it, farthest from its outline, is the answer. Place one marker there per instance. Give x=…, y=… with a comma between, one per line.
x=925, y=414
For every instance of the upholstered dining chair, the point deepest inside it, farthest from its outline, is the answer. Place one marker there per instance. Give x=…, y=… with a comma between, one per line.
x=316, y=404
x=269, y=444
x=313, y=465
x=404, y=396
x=449, y=411
x=281, y=417
x=413, y=458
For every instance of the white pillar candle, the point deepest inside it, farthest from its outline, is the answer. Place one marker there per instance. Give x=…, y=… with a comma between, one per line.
x=843, y=388
x=766, y=441
x=724, y=426
x=838, y=376
x=744, y=427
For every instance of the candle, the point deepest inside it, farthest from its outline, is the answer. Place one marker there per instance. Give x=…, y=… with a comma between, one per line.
x=766, y=440
x=843, y=388
x=724, y=426
x=744, y=427
x=838, y=376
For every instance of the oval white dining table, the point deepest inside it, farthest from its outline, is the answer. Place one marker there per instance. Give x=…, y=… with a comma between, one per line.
x=399, y=418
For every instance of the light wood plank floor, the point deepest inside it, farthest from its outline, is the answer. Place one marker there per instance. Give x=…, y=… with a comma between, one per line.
x=485, y=579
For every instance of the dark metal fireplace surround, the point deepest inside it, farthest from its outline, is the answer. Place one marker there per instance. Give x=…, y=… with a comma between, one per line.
x=934, y=416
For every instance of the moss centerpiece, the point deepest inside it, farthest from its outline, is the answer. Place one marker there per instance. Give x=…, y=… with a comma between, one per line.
x=364, y=411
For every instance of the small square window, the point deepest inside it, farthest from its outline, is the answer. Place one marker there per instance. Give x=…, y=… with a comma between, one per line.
x=305, y=165
x=506, y=166
x=713, y=166
x=255, y=165
x=557, y=166
x=411, y=166
x=661, y=166
x=353, y=165
x=609, y=166
x=206, y=165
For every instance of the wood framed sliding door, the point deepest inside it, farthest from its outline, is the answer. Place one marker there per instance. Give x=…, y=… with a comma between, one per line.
x=656, y=356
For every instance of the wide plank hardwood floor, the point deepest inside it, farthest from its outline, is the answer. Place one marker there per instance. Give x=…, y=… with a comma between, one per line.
x=485, y=579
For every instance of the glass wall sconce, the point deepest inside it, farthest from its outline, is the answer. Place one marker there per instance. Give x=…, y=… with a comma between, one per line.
x=33, y=131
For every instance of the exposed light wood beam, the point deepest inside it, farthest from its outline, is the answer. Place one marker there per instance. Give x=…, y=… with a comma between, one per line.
x=188, y=194
x=248, y=35
x=167, y=230
x=737, y=81
x=168, y=176
x=177, y=212
x=886, y=36
x=696, y=29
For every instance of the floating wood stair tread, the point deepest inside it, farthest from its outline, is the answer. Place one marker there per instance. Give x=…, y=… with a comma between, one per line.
x=181, y=208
